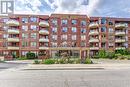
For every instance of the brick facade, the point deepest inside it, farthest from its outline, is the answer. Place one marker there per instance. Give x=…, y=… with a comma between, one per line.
x=46, y=34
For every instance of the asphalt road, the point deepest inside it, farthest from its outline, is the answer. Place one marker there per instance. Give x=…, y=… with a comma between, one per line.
x=65, y=78
x=9, y=65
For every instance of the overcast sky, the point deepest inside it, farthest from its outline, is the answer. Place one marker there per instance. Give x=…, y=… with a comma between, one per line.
x=112, y=8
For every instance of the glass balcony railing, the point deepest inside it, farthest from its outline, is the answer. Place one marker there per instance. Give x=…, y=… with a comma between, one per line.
x=93, y=33
x=44, y=32
x=13, y=39
x=121, y=25
x=13, y=31
x=94, y=48
x=43, y=40
x=43, y=48
x=120, y=33
x=44, y=24
x=12, y=23
x=118, y=48
x=93, y=40
x=120, y=40
x=93, y=25
x=13, y=48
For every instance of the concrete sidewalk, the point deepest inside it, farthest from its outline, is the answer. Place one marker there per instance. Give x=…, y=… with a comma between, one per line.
x=99, y=64
x=76, y=66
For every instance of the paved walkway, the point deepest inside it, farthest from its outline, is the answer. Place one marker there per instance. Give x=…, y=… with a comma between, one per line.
x=99, y=64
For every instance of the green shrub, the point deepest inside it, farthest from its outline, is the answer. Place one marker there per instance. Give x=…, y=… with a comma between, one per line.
x=22, y=58
x=77, y=61
x=102, y=54
x=30, y=55
x=61, y=61
x=36, y=62
x=48, y=61
x=88, y=61
x=118, y=55
x=122, y=51
x=110, y=55
x=71, y=61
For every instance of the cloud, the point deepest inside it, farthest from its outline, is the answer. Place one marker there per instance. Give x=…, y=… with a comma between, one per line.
x=27, y=6
x=75, y=6
x=120, y=8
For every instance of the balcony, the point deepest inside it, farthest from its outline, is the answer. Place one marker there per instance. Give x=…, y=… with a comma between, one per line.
x=94, y=48
x=13, y=48
x=121, y=25
x=13, y=31
x=120, y=40
x=93, y=33
x=44, y=24
x=43, y=48
x=43, y=40
x=13, y=23
x=13, y=39
x=118, y=48
x=45, y=32
x=104, y=39
x=93, y=25
x=120, y=33
x=65, y=48
x=93, y=40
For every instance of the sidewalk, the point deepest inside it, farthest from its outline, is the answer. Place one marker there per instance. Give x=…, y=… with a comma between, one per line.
x=100, y=64
x=21, y=61
x=76, y=66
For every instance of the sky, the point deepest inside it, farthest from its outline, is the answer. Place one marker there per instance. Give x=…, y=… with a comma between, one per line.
x=105, y=8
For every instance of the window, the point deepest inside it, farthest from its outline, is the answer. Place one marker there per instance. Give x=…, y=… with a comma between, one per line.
x=33, y=27
x=24, y=44
x=83, y=44
x=64, y=44
x=74, y=22
x=83, y=37
x=5, y=28
x=110, y=23
x=103, y=21
x=64, y=22
x=24, y=36
x=103, y=45
x=73, y=44
x=74, y=29
x=64, y=29
x=33, y=44
x=24, y=53
x=73, y=37
x=33, y=35
x=83, y=23
x=24, y=27
x=5, y=44
x=5, y=20
x=54, y=44
x=24, y=20
x=103, y=29
x=83, y=30
x=5, y=35
x=54, y=37
x=33, y=19
x=54, y=29
x=54, y=21
x=63, y=37
x=111, y=30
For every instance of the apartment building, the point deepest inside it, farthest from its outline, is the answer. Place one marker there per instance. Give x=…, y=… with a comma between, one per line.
x=79, y=35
